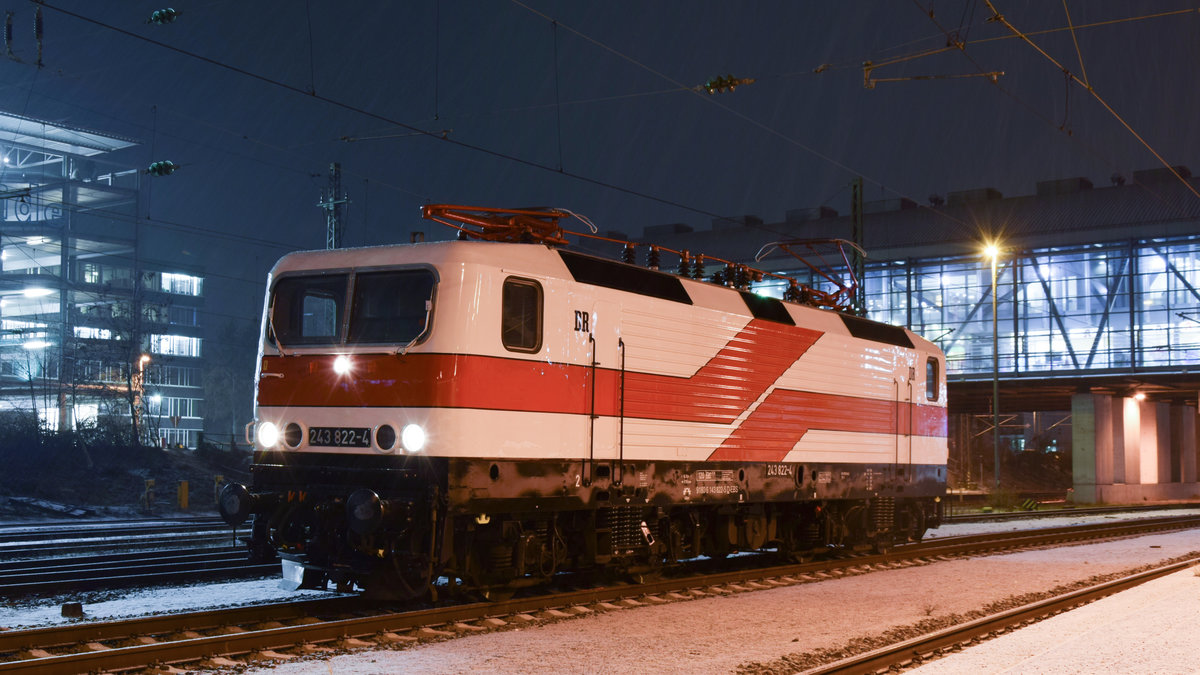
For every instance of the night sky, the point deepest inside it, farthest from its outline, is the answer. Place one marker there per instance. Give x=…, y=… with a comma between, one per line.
x=594, y=107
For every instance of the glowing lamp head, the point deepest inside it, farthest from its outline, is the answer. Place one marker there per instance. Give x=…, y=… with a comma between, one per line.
x=1140, y=396
x=412, y=437
x=268, y=434
x=342, y=365
x=991, y=251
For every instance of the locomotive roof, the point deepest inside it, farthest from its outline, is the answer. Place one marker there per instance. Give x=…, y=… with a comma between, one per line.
x=557, y=262
x=478, y=252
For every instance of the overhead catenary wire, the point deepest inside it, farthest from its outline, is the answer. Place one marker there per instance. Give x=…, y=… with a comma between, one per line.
x=857, y=64
x=1075, y=39
x=495, y=153
x=434, y=135
x=998, y=17
x=1091, y=152
x=539, y=165
x=746, y=118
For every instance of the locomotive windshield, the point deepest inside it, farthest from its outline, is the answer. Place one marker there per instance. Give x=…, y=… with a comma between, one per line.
x=389, y=307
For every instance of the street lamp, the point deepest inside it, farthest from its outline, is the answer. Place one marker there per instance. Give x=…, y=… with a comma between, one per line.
x=992, y=251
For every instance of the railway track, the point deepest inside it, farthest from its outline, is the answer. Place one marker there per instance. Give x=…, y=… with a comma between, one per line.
x=74, y=537
x=926, y=647
x=214, y=638
x=56, y=575
x=1063, y=512
x=62, y=557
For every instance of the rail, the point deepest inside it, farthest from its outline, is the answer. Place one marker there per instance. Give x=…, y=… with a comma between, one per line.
x=178, y=639
x=916, y=650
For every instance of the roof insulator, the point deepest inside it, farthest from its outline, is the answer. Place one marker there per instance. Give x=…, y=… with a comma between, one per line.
x=685, y=260
x=629, y=255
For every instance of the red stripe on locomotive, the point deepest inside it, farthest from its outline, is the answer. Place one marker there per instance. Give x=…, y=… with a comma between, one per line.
x=719, y=392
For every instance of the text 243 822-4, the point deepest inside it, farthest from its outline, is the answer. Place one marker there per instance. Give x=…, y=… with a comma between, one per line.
x=339, y=437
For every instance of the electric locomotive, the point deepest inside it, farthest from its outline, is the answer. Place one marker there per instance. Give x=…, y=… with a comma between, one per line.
x=498, y=409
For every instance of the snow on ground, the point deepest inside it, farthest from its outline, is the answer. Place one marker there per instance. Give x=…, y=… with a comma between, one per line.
x=1035, y=523
x=139, y=602
x=1150, y=629
x=111, y=605
x=757, y=632
x=716, y=635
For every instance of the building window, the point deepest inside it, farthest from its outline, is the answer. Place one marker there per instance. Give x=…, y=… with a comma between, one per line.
x=181, y=284
x=185, y=438
x=169, y=407
x=172, y=376
x=175, y=345
x=92, y=333
x=521, y=315
x=182, y=316
x=117, y=277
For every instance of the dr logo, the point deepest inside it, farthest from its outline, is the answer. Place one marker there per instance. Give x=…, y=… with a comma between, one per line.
x=581, y=322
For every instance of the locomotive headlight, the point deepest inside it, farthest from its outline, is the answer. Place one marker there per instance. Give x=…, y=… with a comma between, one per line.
x=342, y=365
x=412, y=437
x=268, y=434
x=293, y=435
x=385, y=437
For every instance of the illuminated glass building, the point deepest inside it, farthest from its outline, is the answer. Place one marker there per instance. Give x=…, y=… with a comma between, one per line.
x=91, y=332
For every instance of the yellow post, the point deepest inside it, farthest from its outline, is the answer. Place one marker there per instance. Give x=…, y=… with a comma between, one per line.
x=148, y=495
x=218, y=483
x=183, y=495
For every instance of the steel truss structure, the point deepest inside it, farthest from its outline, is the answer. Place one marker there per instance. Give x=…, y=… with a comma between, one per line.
x=1109, y=308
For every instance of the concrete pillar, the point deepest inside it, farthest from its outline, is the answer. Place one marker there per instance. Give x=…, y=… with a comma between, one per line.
x=1162, y=411
x=1187, y=444
x=1119, y=438
x=1182, y=435
x=1091, y=444
x=1149, y=442
x=1132, y=420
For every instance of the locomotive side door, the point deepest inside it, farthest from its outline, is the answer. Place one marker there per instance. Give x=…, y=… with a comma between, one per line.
x=599, y=349
x=905, y=416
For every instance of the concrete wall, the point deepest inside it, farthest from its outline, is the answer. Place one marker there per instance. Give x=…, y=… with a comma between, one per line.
x=1127, y=451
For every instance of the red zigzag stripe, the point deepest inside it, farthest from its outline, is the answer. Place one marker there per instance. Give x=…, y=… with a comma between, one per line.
x=720, y=392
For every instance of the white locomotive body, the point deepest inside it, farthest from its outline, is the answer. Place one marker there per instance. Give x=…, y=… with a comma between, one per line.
x=499, y=412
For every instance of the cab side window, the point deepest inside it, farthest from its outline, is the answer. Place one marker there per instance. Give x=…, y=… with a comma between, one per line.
x=521, y=315
x=932, y=381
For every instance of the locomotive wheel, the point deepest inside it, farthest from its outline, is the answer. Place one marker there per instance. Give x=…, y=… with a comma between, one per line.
x=917, y=531
x=498, y=593
x=391, y=583
x=647, y=577
x=405, y=574
x=882, y=543
x=800, y=556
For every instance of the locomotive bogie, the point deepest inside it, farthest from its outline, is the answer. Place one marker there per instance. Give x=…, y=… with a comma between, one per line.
x=512, y=523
